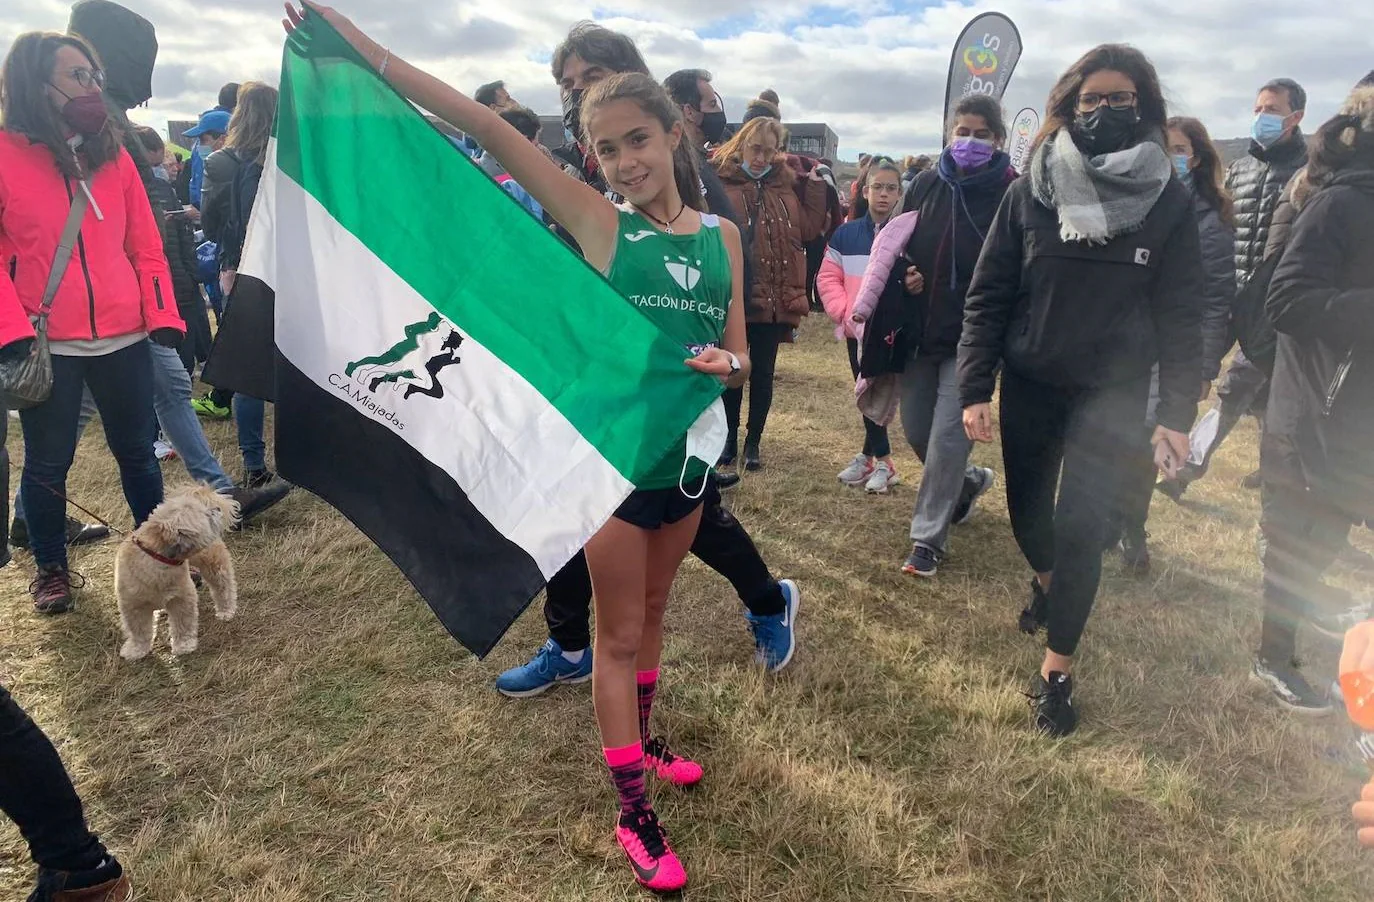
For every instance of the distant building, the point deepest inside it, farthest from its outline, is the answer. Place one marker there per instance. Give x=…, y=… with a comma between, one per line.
x=812, y=139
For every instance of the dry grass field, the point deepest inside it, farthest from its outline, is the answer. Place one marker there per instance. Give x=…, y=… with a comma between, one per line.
x=333, y=743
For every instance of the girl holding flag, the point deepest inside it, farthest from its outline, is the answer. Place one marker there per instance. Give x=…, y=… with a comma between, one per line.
x=637, y=135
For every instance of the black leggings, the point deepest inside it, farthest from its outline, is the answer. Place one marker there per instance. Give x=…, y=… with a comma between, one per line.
x=875, y=436
x=37, y=794
x=721, y=543
x=1061, y=521
x=764, y=339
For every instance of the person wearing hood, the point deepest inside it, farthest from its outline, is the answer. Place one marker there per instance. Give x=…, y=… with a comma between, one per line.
x=1317, y=450
x=1091, y=274
x=948, y=210
x=779, y=215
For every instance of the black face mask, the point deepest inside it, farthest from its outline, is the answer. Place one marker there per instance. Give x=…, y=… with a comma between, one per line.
x=1105, y=130
x=713, y=126
x=572, y=112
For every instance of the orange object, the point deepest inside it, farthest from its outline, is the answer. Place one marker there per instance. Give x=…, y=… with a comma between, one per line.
x=1358, y=688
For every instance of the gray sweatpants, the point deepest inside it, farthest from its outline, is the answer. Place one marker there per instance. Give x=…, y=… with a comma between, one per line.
x=934, y=425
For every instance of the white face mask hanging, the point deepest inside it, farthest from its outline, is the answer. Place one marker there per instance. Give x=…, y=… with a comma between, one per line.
x=705, y=442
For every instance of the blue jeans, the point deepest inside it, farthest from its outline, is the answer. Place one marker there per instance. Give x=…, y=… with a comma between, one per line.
x=122, y=386
x=82, y=421
x=250, y=415
x=172, y=401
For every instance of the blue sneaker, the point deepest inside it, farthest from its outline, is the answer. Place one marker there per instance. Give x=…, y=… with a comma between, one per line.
x=775, y=637
x=547, y=667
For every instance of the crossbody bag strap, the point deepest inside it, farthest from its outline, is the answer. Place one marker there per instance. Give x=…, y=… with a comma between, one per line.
x=64, y=251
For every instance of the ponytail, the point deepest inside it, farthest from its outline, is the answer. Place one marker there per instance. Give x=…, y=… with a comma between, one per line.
x=687, y=176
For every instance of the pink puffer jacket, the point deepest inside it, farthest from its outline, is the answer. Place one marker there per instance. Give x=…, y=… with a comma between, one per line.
x=887, y=248
x=117, y=282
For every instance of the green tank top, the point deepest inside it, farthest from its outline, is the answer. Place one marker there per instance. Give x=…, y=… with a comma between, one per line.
x=682, y=283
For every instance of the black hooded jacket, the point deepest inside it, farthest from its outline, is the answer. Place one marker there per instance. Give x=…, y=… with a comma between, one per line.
x=1320, y=430
x=1078, y=315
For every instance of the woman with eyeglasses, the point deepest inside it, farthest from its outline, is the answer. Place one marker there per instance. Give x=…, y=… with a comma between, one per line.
x=1091, y=274
x=58, y=144
x=837, y=282
x=780, y=211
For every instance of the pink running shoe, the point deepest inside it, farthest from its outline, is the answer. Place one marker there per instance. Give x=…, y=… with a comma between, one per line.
x=669, y=767
x=646, y=845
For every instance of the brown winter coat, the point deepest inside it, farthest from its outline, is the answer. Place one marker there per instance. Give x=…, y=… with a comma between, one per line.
x=777, y=216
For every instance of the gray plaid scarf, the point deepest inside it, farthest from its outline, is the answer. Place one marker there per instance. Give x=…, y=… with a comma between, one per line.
x=1100, y=197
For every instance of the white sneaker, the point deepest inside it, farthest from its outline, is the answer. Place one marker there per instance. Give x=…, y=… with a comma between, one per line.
x=883, y=478
x=858, y=471
x=164, y=451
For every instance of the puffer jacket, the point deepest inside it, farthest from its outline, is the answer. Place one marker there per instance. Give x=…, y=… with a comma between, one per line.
x=842, y=271
x=1319, y=433
x=117, y=282
x=777, y=218
x=1255, y=182
x=1219, y=285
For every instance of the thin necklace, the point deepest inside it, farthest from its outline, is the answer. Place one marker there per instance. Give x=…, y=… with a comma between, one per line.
x=667, y=226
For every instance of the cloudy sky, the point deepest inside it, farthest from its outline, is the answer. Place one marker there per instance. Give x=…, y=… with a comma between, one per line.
x=873, y=69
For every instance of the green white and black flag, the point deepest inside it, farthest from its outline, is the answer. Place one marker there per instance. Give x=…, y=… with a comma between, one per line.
x=448, y=374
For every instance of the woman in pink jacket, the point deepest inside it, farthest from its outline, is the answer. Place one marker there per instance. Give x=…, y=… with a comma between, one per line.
x=837, y=283
x=56, y=142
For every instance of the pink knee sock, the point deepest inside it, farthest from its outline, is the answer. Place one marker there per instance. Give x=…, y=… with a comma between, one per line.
x=627, y=774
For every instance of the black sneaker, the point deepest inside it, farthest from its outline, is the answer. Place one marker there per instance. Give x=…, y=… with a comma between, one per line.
x=1135, y=552
x=1035, y=615
x=253, y=501
x=1252, y=480
x=1291, y=688
x=968, y=501
x=52, y=590
x=727, y=480
x=78, y=533
x=107, y=882
x=1052, y=702
x=922, y=561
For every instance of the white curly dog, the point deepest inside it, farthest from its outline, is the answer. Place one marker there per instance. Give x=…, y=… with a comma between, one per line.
x=153, y=569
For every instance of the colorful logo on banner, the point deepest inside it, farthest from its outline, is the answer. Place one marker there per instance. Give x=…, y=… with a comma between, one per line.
x=980, y=61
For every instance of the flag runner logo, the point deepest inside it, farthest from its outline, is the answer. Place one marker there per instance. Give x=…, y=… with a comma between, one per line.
x=429, y=347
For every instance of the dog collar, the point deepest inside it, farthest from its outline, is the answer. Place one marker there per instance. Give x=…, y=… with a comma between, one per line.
x=160, y=558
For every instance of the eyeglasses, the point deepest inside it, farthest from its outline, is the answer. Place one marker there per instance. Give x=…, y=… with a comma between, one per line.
x=884, y=187
x=1117, y=100
x=87, y=77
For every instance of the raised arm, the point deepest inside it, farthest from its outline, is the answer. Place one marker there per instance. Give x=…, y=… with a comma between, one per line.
x=584, y=212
